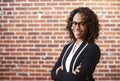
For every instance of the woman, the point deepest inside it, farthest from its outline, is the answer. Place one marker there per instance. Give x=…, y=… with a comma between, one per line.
x=79, y=58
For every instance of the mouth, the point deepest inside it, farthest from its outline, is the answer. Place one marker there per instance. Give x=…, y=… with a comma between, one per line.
x=77, y=32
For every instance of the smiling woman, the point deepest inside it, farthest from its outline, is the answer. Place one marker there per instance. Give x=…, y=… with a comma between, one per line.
x=88, y=19
x=79, y=29
x=79, y=58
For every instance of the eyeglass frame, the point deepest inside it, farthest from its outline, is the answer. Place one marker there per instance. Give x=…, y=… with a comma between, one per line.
x=82, y=23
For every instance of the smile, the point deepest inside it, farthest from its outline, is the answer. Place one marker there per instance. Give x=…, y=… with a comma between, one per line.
x=77, y=32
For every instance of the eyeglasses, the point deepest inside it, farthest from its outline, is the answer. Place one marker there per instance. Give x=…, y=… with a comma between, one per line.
x=74, y=24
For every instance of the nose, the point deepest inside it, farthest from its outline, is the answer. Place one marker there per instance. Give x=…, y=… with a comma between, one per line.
x=77, y=26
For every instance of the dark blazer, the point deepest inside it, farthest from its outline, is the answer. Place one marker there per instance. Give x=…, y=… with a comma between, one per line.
x=88, y=59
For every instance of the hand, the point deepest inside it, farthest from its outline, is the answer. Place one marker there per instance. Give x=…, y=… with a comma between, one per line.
x=77, y=70
x=59, y=68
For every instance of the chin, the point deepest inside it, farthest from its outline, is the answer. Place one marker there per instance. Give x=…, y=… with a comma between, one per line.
x=77, y=37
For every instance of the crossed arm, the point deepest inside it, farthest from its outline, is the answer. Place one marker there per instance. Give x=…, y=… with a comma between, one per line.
x=74, y=72
x=81, y=72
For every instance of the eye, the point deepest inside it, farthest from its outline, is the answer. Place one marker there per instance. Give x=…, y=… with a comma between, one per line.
x=74, y=23
x=82, y=23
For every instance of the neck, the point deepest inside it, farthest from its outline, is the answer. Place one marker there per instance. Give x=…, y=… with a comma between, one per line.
x=79, y=41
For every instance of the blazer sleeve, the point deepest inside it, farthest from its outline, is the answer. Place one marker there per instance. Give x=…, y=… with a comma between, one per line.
x=88, y=65
x=89, y=62
x=57, y=64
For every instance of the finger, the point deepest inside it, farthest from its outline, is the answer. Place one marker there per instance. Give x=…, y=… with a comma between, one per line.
x=61, y=68
x=77, y=70
x=74, y=72
x=58, y=69
x=78, y=66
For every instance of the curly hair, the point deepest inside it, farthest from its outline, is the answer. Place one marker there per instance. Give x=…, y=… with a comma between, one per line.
x=90, y=20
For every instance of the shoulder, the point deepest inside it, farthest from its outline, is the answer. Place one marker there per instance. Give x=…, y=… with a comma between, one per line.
x=93, y=46
x=93, y=49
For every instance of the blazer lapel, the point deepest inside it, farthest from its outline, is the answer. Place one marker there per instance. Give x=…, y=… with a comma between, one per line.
x=67, y=53
x=76, y=53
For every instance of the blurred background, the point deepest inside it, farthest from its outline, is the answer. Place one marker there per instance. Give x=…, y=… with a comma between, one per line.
x=32, y=35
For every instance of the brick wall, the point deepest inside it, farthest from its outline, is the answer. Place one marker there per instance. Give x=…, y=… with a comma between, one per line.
x=32, y=35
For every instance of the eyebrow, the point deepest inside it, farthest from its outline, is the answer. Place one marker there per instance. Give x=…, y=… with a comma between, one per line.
x=78, y=22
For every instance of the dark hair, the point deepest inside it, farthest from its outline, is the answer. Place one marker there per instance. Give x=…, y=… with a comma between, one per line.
x=90, y=20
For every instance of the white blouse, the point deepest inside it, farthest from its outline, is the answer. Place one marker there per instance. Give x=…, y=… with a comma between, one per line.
x=70, y=56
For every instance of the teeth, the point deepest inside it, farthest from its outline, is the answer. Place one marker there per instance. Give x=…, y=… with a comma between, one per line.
x=77, y=32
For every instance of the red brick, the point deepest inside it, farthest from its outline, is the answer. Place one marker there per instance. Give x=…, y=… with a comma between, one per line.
x=8, y=9
x=35, y=66
x=14, y=21
x=9, y=41
x=4, y=78
x=8, y=17
x=21, y=49
x=27, y=4
x=39, y=4
x=8, y=33
x=104, y=78
x=46, y=25
x=34, y=0
x=27, y=21
x=46, y=16
x=8, y=0
x=10, y=58
x=35, y=74
x=3, y=21
x=27, y=45
x=116, y=78
x=15, y=4
x=3, y=4
x=8, y=25
x=41, y=78
x=33, y=41
x=3, y=29
x=21, y=25
x=46, y=33
x=21, y=17
x=10, y=74
x=16, y=78
x=21, y=0
x=27, y=29
x=34, y=49
x=33, y=17
x=33, y=33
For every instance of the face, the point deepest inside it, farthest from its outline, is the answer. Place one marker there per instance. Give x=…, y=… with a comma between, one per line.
x=78, y=27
